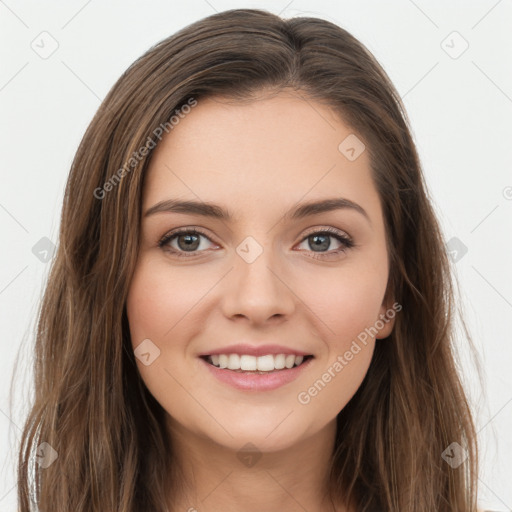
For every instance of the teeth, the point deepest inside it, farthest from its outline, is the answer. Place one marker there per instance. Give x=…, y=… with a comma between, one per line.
x=267, y=363
x=263, y=363
x=233, y=362
x=290, y=361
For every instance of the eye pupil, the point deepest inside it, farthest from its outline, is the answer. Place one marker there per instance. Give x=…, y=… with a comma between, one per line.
x=323, y=244
x=190, y=243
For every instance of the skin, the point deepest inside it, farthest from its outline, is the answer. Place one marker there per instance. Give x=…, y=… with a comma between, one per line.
x=257, y=159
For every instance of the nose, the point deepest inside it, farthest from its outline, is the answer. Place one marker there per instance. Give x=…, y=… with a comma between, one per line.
x=259, y=290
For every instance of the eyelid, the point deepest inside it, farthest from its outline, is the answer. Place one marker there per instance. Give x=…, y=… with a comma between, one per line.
x=327, y=229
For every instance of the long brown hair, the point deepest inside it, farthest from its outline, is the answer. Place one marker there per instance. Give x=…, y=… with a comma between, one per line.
x=90, y=403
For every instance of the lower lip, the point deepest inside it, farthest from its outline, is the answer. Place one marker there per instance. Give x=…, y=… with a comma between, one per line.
x=255, y=381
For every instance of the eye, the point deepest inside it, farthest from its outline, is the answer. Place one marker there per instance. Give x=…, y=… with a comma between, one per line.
x=188, y=240
x=320, y=240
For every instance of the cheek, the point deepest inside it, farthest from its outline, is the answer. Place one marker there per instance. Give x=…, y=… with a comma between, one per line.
x=158, y=300
x=345, y=308
x=157, y=305
x=347, y=303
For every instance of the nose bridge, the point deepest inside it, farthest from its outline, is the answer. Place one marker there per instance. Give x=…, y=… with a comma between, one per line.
x=257, y=284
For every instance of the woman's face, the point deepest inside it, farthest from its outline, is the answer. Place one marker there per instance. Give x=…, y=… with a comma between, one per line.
x=264, y=273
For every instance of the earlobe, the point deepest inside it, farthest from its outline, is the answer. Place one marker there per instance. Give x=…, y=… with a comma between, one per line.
x=386, y=319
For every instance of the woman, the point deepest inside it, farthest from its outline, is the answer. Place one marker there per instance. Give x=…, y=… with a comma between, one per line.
x=251, y=304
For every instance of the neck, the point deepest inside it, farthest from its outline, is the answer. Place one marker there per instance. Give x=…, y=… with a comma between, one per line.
x=217, y=478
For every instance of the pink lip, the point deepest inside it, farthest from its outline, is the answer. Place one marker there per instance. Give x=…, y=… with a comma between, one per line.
x=254, y=381
x=256, y=350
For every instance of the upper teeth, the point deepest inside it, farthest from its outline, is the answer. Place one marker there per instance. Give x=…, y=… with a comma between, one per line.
x=252, y=363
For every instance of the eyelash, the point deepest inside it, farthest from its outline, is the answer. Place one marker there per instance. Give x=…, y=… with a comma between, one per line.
x=346, y=241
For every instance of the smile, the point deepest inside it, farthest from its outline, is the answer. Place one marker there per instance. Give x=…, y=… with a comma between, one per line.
x=245, y=375
x=262, y=364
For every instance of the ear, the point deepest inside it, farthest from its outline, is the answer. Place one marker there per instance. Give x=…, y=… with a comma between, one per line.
x=386, y=319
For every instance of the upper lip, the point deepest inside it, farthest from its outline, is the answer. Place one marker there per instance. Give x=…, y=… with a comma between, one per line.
x=255, y=350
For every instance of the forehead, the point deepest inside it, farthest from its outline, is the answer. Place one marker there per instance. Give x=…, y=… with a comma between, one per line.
x=264, y=152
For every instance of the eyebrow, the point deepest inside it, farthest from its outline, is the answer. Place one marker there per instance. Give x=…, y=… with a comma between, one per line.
x=217, y=212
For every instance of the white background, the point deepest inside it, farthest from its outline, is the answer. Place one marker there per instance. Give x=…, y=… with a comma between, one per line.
x=460, y=110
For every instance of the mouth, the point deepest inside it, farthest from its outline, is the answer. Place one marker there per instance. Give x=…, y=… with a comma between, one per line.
x=261, y=365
